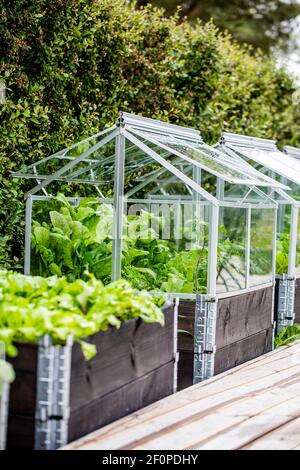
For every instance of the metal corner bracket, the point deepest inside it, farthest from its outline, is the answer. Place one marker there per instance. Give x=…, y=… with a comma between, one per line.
x=285, y=314
x=53, y=394
x=204, y=338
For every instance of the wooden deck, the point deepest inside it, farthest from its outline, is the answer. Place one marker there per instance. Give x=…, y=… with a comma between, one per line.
x=254, y=406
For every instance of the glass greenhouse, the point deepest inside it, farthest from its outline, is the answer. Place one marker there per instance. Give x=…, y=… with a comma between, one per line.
x=264, y=156
x=152, y=203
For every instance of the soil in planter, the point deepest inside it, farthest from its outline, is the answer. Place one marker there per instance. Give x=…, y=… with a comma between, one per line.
x=134, y=367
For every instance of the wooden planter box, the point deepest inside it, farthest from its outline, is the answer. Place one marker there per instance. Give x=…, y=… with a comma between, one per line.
x=134, y=367
x=244, y=330
x=297, y=301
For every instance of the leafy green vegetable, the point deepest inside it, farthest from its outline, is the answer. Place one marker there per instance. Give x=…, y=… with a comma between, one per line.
x=288, y=335
x=31, y=307
x=282, y=253
x=6, y=374
x=74, y=239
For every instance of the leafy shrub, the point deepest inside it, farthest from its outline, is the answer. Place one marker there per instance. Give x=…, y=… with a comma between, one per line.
x=70, y=65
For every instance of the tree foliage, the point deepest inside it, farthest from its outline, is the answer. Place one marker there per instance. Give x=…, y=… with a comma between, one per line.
x=70, y=65
x=261, y=23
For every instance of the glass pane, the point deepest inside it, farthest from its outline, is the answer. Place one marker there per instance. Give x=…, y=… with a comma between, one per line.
x=69, y=239
x=283, y=238
x=212, y=162
x=96, y=168
x=295, y=190
x=231, y=274
x=298, y=247
x=274, y=161
x=78, y=149
x=165, y=246
x=261, y=246
x=45, y=167
x=207, y=159
x=235, y=192
x=144, y=176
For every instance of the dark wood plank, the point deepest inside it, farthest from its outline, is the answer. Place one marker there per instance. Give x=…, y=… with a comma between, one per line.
x=20, y=432
x=185, y=370
x=23, y=389
x=244, y=315
x=186, y=320
x=134, y=367
x=297, y=301
x=142, y=349
x=122, y=401
x=238, y=316
x=244, y=350
x=228, y=357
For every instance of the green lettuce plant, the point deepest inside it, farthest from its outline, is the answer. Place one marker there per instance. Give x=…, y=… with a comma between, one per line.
x=68, y=240
x=32, y=306
x=7, y=374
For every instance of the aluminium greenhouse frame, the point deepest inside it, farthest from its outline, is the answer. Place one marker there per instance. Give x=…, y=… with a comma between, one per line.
x=142, y=133
x=265, y=154
x=292, y=151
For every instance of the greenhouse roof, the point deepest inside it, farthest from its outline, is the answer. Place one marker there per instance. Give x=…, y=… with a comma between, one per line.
x=265, y=153
x=172, y=150
x=292, y=151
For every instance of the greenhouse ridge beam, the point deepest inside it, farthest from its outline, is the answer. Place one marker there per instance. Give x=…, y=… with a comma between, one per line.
x=248, y=141
x=152, y=125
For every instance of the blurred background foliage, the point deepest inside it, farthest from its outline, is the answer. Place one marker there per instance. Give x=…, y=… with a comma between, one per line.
x=264, y=24
x=70, y=65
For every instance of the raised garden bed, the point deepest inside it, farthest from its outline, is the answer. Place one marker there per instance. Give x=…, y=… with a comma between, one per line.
x=134, y=367
x=244, y=330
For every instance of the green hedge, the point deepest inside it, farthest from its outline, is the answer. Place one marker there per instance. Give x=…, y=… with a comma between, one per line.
x=71, y=65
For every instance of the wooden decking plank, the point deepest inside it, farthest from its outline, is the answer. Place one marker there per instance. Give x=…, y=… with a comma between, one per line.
x=286, y=437
x=202, y=406
x=183, y=397
x=224, y=424
x=277, y=373
x=255, y=427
